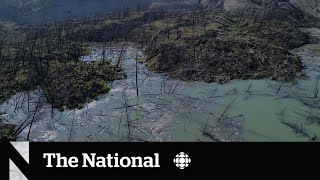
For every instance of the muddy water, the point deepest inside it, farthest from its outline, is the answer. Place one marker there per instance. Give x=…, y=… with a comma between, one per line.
x=173, y=110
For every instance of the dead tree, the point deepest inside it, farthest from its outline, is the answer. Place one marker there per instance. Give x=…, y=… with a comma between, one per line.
x=316, y=91
x=137, y=85
x=227, y=108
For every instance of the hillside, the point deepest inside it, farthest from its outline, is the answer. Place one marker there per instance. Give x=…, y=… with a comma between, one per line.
x=311, y=7
x=176, y=4
x=285, y=9
x=16, y=8
x=29, y=11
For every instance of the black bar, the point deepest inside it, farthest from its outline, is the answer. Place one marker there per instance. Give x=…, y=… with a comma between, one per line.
x=4, y=161
x=208, y=160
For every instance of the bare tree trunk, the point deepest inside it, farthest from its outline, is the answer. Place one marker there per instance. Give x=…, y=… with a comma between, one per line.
x=137, y=85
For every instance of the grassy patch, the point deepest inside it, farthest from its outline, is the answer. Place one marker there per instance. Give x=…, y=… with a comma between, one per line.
x=6, y=132
x=216, y=48
x=73, y=83
x=47, y=57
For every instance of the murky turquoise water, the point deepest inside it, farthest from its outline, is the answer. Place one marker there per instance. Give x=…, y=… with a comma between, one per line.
x=173, y=110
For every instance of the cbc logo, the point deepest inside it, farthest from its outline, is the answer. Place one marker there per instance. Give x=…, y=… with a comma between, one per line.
x=182, y=160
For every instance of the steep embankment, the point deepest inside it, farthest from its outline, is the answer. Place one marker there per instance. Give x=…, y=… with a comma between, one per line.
x=311, y=7
x=281, y=10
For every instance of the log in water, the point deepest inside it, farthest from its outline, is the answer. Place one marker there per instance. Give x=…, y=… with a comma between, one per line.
x=172, y=110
